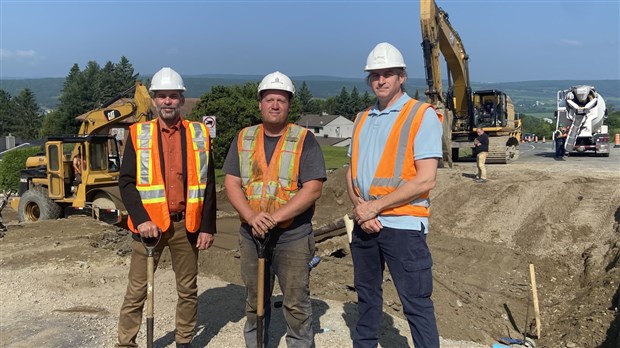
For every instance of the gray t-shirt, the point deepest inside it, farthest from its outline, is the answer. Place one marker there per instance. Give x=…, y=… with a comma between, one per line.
x=311, y=167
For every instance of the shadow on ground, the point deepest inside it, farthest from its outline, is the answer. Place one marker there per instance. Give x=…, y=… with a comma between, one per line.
x=214, y=314
x=389, y=335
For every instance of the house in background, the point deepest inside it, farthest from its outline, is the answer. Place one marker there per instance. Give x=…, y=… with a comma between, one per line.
x=332, y=130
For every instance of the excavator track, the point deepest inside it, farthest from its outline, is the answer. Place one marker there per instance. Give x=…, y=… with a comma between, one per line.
x=502, y=150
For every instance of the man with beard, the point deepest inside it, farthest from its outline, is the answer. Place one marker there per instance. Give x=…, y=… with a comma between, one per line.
x=167, y=182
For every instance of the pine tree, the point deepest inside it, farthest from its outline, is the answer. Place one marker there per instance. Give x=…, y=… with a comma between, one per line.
x=367, y=100
x=124, y=74
x=28, y=115
x=107, y=85
x=355, y=103
x=7, y=118
x=343, y=103
x=304, y=96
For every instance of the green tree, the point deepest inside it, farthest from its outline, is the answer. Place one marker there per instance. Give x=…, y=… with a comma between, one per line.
x=235, y=107
x=7, y=114
x=107, y=85
x=78, y=96
x=343, y=103
x=11, y=164
x=613, y=123
x=124, y=75
x=537, y=126
x=304, y=96
x=355, y=103
x=330, y=106
x=28, y=115
x=367, y=100
x=86, y=90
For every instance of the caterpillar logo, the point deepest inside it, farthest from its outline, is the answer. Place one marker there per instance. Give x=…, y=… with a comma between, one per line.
x=112, y=114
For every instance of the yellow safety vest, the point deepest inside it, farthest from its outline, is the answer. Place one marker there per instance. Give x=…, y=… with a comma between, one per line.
x=267, y=187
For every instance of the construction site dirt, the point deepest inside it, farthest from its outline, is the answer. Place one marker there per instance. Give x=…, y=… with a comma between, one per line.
x=63, y=280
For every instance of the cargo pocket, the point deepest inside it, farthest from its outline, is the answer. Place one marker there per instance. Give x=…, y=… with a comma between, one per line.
x=417, y=263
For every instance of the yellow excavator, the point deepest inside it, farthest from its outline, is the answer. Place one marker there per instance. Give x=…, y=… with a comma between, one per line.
x=78, y=174
x=463, y=109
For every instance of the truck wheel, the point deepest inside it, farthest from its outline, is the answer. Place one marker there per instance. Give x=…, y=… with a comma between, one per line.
x=102, y=201
x=34, y=205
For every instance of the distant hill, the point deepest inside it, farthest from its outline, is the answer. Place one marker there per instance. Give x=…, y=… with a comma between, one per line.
x=528, y=96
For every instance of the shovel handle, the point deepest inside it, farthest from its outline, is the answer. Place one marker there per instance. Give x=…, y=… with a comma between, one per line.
x=150, y=272
x=150, y=244
x=260, y=299
x=261, y=245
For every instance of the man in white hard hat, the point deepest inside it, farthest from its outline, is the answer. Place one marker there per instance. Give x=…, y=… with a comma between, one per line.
x=274, y=175
x=167, y=182
x=395, y=150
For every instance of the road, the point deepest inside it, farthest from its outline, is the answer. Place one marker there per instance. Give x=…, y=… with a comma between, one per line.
x=543, y=152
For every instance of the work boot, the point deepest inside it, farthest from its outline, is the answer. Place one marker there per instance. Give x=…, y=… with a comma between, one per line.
x=481, y=181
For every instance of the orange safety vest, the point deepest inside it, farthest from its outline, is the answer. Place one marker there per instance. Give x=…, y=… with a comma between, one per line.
x=396, y=165
x=267, y=187
x=150, y=181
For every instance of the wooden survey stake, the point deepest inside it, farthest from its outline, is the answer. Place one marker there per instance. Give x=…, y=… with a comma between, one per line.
x=535, y=299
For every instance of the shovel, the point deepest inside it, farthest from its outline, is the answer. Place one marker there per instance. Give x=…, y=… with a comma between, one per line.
x=149, y=245
x=261, y=245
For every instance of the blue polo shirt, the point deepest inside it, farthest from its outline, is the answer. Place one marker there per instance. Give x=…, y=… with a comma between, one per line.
x=373, y=137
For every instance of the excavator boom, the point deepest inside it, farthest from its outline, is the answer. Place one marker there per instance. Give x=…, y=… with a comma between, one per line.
x=440, y=38
x=463, y=109
x=99, y=120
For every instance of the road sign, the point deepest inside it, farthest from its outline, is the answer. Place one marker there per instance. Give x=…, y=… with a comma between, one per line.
x=209, y=121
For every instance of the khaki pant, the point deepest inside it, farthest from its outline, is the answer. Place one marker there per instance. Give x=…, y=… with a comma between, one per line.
x=184, y=256
x=481, y=159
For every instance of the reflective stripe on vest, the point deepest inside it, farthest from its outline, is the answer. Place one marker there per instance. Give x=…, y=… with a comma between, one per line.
x=268, y=187
x=396, y=165
x=198, y=147
x=149, y=179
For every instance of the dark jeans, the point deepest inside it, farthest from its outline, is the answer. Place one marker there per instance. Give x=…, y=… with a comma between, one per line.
x=559, y=147
x=289, y=262
x=409, y=262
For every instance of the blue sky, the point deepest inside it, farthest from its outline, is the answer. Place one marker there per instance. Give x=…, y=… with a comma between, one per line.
x=506, y=40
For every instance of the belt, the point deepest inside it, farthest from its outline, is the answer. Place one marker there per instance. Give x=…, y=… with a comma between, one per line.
x=176, y=217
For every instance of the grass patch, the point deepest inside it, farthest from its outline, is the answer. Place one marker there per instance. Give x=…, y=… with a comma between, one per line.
x=541, y=114
x=335, y=157
x=219, y=176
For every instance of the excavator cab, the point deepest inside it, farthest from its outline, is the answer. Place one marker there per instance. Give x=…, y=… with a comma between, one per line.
x=94, y=156
x=491, y=109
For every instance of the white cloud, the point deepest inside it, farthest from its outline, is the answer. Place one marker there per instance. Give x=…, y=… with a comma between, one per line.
x=19, y=54
x=570, y=42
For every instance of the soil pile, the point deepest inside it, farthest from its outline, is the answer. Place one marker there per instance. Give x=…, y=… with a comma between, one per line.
x=63, y=280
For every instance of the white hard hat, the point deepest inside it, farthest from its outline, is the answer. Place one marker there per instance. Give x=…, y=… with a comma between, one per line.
x=167, y=79
x=384, y=56
x=276, y=80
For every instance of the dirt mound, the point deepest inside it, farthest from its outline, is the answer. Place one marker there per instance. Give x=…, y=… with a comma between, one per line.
x=483, y=238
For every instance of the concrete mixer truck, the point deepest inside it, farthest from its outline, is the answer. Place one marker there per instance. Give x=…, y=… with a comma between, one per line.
x=582, y=111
